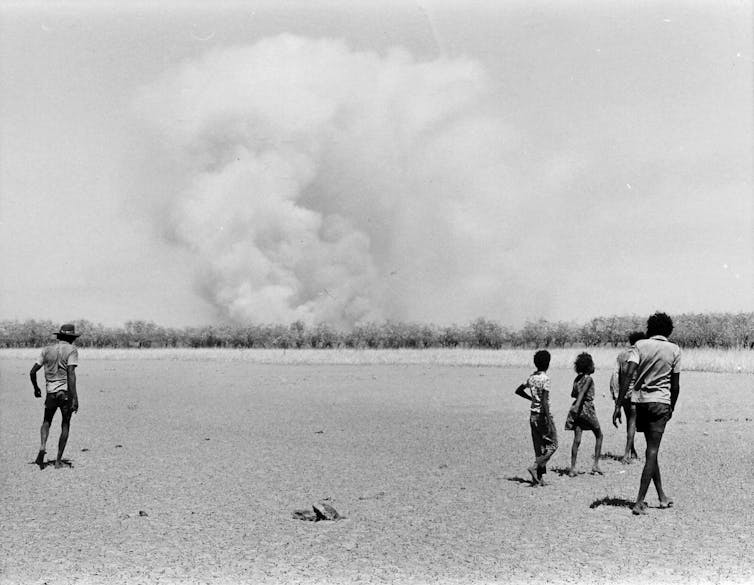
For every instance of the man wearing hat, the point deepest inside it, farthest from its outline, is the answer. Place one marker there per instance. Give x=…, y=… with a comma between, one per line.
x=59, y=362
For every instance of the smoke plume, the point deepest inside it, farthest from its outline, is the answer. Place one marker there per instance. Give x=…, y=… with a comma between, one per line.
x=314, y=182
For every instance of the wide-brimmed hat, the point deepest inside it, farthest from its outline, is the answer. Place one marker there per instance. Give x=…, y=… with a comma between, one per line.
x=67, y=330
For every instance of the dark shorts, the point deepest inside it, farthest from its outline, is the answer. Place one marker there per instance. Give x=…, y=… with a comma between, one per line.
x=652, y=417
x=61, y=400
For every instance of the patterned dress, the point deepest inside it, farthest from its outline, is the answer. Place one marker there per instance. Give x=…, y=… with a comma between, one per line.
x=586, y=418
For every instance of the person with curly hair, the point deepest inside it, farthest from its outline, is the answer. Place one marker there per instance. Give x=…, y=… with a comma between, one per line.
x=582, y=416
x=543, y=433
x=655, y=365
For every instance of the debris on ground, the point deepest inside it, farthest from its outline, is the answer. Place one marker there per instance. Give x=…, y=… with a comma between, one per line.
x=319, y=512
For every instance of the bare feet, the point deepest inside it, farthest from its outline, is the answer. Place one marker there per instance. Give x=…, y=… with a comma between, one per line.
x=533, y=472
x=572, y=472
x=40, y=460
x=597, y=471
x=59, y=464
x=666, y=503
x=639, y=509
x=542, y=481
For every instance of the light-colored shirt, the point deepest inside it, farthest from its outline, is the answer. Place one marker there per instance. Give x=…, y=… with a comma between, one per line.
x=538, y=383
x=620, y=370
x=56, y=359
x=657, y=359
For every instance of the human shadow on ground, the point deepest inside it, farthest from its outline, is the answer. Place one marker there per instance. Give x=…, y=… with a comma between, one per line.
x=619, y=458
x=519, y=480
x=51, y=463
x=615, y=502
x=561, y=471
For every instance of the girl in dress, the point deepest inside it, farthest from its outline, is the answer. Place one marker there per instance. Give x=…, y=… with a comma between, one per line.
x=582, y=416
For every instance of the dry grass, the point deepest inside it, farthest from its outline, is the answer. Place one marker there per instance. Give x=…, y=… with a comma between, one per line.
x=694, y=360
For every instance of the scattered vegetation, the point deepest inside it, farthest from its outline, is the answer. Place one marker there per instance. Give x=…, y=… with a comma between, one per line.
x=708, y=330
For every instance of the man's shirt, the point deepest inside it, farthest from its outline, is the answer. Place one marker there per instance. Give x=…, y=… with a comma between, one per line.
x=656, y=359
x=56, y=359
x=620, y=372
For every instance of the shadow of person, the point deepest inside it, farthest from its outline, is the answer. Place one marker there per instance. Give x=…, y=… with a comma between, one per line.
x=51, y=462
x=616, y=502
x=519, y=480
x=613, y=457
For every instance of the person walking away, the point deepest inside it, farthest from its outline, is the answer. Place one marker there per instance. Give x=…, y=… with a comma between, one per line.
x=582, y=415
x=629, y=406
x=543, y=434
x=59, y=362
x=656, y=364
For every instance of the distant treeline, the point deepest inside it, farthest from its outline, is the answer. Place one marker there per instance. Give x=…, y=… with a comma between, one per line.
x=719, y=330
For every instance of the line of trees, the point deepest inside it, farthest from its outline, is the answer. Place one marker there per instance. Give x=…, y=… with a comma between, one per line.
x=719, y=330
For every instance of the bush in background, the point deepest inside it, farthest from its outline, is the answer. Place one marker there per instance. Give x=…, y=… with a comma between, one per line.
x=694, y=330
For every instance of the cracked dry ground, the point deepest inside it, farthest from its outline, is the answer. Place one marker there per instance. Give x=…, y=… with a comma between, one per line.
x=428, y=464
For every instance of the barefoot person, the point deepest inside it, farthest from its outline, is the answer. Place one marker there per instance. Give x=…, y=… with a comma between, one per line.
x=543, y=433
x=656, y=363
x=629, y=407
x=59, y=362
x=582, y=416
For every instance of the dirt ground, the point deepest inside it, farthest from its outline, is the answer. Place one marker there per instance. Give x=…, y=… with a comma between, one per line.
x=186, y=472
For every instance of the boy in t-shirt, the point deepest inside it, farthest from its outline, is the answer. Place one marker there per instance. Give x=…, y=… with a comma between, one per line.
x=543, y=432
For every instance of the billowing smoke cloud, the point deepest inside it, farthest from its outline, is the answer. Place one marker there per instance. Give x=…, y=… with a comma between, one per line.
x=319, y=183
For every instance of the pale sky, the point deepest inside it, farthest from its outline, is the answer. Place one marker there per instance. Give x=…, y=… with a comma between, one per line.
x=562, y=160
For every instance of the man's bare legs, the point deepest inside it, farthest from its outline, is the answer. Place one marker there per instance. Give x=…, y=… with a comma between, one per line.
x=64, y=428
x=44, y=433
x=651, y=473
x=630, y=452
x=575, y=451
x=597, y=451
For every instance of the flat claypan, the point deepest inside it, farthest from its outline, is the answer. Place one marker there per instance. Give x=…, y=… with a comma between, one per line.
x=427, y=463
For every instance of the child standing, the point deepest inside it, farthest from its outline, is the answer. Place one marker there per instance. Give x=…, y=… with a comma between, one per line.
x=582, y=415
x=543, y=432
